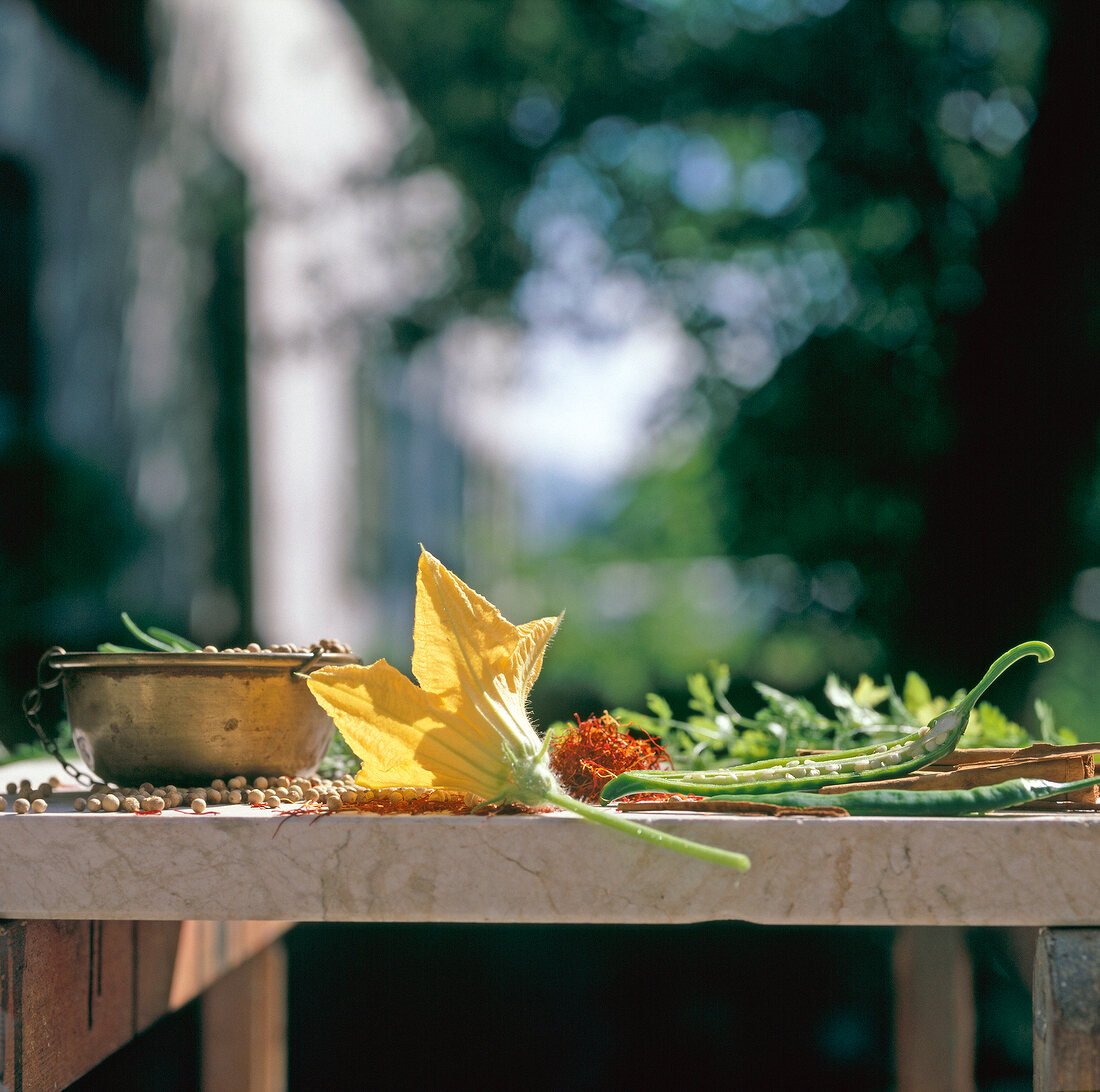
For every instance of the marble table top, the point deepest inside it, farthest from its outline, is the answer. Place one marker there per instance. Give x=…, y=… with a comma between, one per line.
x=239, y=863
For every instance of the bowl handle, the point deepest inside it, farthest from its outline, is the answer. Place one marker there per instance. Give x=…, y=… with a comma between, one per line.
x=304, y=668
x=32, y=706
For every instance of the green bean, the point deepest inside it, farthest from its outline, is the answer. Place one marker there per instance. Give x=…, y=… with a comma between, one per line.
x=178, y=643
x=155, y=638
x=919, y=802
x=809, y=772
x=141, y=635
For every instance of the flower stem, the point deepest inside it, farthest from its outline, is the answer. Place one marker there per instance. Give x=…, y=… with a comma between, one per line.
x=608, y=818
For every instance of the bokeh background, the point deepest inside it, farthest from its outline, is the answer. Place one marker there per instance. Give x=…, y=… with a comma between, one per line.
x=757, y=331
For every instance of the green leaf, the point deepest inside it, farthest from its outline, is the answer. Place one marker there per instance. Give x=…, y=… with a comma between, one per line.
x=659, y=707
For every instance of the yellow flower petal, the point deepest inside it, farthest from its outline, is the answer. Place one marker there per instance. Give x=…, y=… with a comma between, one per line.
x=472, y=658
x=526, y=660
x=403, y=736
x=458, y=636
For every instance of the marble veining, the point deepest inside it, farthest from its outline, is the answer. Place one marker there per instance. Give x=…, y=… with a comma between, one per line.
x=236, y=862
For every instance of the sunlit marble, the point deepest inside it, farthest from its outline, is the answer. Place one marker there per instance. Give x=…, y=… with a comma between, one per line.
x=236, y=862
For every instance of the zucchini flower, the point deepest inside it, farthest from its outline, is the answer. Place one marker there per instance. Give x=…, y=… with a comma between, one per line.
x=466, y=725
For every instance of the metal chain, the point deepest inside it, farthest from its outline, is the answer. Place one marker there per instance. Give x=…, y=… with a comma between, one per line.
x=32, y=706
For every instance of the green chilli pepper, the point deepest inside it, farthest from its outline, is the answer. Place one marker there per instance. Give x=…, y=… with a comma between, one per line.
x=918, y=802
x=809, y=772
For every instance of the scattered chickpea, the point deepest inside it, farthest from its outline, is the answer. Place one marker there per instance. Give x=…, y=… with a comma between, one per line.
x=130, y=803
x=39, y=805
x=260, y=782
x=22, y=805
x=198, y=805
x=255, y=796
x=111, y=802
x=3, y=803
x=80, y=804
x=155, y=803
x=94, y=803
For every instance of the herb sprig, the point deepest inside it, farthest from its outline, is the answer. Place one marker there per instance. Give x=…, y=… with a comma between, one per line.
x=716, y=734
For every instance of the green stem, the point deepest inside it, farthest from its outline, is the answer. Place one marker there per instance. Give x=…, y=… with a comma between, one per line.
x=608, y=818
x=1038, y=649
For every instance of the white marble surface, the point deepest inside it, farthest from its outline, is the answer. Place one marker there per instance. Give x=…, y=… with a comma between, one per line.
x=237, y=862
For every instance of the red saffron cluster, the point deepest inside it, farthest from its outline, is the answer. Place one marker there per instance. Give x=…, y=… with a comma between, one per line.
x=587, y=757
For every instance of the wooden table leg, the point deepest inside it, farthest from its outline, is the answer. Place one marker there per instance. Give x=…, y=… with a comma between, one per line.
x=1066, y=992
x=74, y=992
x=244, y=1026
x=934, y=1021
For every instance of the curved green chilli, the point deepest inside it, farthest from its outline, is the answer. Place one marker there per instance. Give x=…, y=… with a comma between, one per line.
x=976, y=801
x=809, y=772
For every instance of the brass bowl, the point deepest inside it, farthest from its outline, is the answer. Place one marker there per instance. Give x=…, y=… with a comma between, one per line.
x=185, y=718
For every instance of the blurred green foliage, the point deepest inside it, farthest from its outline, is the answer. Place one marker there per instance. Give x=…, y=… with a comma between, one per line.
x=714, y=733
x=814, y=188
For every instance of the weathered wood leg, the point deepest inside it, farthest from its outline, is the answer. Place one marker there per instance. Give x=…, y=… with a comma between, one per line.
x=1066, y=993
x=66, y=999
x=934, y=1022
x=244, y=1026
x=74, y=992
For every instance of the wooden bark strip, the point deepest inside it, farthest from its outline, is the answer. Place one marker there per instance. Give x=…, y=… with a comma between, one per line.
x=969, y=755
x=967, y=777
x=1066, y=999
x=74, y=992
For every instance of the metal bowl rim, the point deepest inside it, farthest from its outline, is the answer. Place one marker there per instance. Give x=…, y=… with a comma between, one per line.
x=198, y=662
